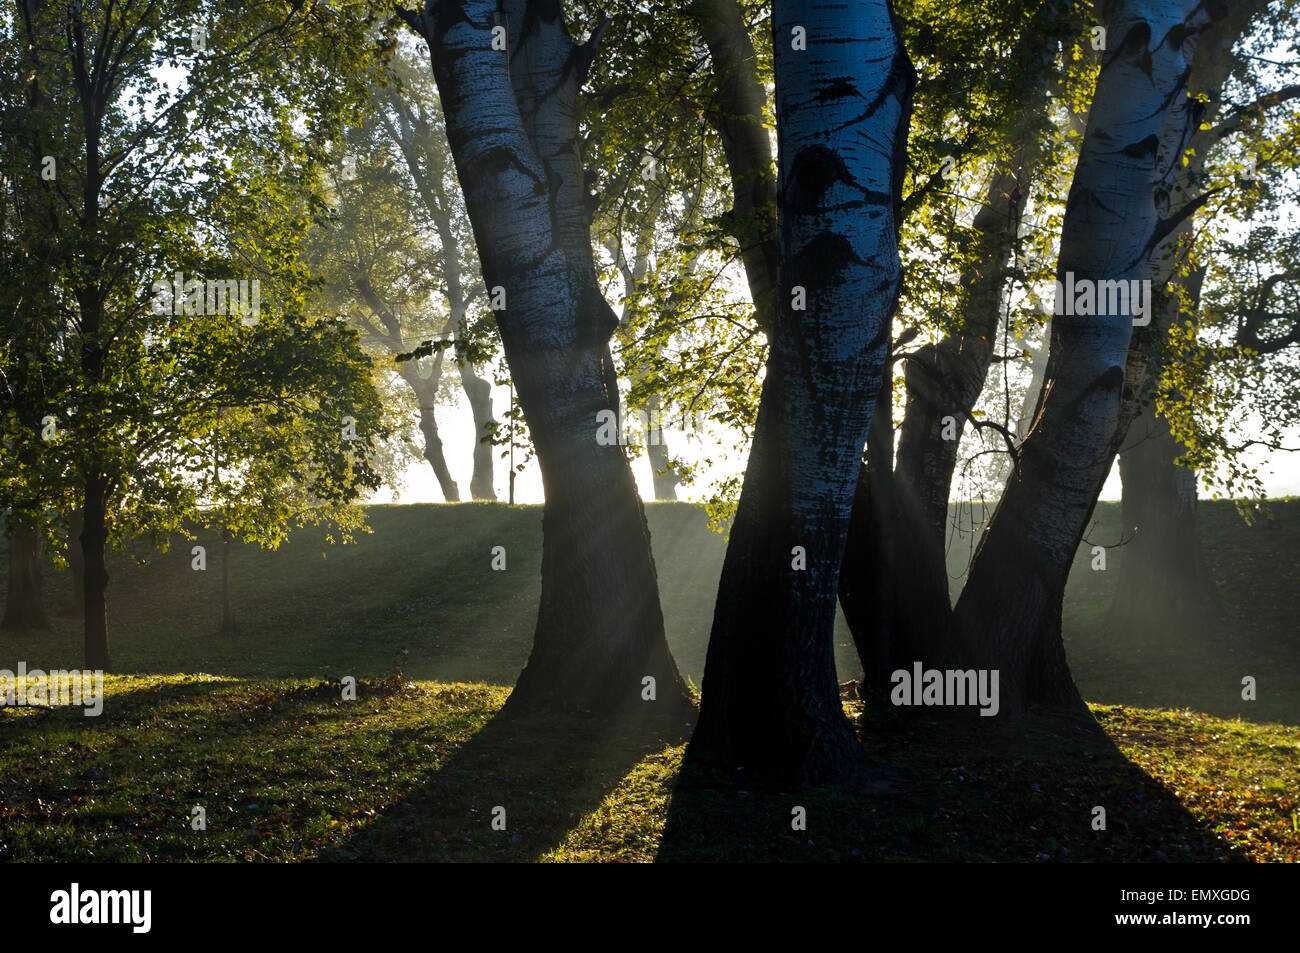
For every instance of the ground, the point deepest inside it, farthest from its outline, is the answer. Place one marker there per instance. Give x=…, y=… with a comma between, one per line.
x=252, y=727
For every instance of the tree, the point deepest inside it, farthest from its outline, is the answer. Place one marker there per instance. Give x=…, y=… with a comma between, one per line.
x=133, y=163
x=738, y=115
x=1166, y=583
x=408, y=115
x=977, y=62
x=508, y=78
x=1008, y=616
x=894, y=587
x=377, y=262
x=770, y=699
x=31, y=475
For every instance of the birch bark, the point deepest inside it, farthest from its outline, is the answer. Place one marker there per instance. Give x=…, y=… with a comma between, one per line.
x=1008, y=616
x=843, y=99
x=512, y=123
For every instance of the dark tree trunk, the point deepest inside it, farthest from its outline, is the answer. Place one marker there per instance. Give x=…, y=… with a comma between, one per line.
x=943, y=381
x=479, y=394
x=94, y=541
x=600, y=626
x=871, y=581
x=1165, y=585
x=737, y=115
x=770, y=703
x=24, y=606
x=512, y=122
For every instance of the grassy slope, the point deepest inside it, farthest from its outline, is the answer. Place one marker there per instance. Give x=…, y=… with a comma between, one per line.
x=421, y=580
x=413, y=769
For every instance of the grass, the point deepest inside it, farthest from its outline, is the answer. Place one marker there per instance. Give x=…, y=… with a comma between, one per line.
x=253, y=727
x=421, y=580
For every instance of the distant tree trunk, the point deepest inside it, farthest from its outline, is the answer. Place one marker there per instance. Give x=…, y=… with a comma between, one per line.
x=662, y=474
x=1037, y=373
x=434, y=455
x=479, y=394
x=414, y=126
x=426, y=396
x=24, y=606
x=1009, y=615
x=1165, y=585
x=228, y=623
x=512, y=122
x=94, y=541
x=770, y=702
x=663, y=477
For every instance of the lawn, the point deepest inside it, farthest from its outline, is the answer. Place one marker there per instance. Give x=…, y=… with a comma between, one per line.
x=253, y=727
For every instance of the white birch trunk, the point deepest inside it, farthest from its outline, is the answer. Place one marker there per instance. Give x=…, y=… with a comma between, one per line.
x=770, y=698
x=1008, y=616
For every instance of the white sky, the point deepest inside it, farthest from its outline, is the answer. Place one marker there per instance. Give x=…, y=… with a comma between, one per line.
x=1280, y=471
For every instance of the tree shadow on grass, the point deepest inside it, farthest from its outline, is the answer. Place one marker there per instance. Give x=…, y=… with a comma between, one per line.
x=960, y=790
x=547, y=771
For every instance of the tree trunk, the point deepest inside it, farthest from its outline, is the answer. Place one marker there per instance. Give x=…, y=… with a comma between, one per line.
x=228, y=623
x=425, y=390
x=868, y=573
x=600, y=626
x=662, y=473
x=1033, y=393
x=738, y=116
x=944, y=382
x=479, y=394
x=512, y=122
x=1009, y=615
x=770, y=703
x=661, y=469
x=1165, y=585
x=94, y=541
x=434, y=455
x=24, y=606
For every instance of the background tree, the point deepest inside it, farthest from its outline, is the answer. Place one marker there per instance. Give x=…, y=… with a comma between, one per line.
x=379, y=267
x=406, y=107
x=136, y=161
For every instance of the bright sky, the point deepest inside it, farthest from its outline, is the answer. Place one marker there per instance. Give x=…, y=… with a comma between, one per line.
x=1280, y=471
